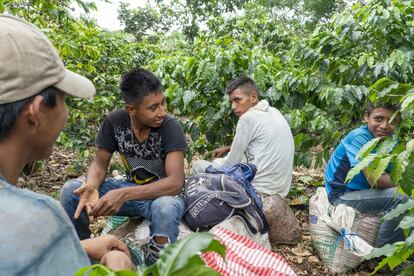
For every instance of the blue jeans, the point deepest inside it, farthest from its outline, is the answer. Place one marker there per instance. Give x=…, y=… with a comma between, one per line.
x=377, y=202
x=165, y=212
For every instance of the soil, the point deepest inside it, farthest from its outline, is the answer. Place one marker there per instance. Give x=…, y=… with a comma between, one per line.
x=47, y=177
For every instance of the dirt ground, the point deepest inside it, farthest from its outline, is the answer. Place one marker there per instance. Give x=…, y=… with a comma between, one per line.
x=47, y=177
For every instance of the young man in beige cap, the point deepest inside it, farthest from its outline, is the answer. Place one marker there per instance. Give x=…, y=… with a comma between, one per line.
x=36, y=236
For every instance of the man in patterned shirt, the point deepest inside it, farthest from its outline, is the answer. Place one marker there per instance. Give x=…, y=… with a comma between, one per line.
x=151, y=144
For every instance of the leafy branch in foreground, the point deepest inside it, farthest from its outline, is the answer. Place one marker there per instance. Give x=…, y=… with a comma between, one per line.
x=179, y=258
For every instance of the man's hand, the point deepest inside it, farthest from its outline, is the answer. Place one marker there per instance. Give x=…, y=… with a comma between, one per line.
x=384, y=182
x=220, y=151
x=88, y=198
x=97, y=247
x=109, y=204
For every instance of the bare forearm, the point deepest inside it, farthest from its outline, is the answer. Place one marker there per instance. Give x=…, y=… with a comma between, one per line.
x=169, y=186
x=96, y=174
x=221, y=151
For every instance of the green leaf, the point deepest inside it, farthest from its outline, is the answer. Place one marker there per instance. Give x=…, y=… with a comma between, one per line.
x=380, y=265
x=407, y=222
x=83, y=270
x=380, y=168
x=177, y=255
x=101, y=270
x=407, y=179
x=409, y=100
x=400, y=209
x=386, y=250
x=401, y=256
x=381, y=84
x=188, y=96
x=125, y=273
x=360, y=166
x=399, y=166
x=400, y=253
x=397, y=56
x=216, y=246
x=196, y=267
x=152, y=270
x=410, y=239
x=386, y=146
x=367, y=148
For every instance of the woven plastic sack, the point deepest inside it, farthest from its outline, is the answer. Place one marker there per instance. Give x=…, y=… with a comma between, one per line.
x=341, y=235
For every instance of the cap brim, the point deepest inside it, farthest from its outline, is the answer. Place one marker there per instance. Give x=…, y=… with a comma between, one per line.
x=76, y=85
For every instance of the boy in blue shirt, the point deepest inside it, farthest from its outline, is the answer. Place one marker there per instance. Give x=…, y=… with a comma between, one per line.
x=359, y=192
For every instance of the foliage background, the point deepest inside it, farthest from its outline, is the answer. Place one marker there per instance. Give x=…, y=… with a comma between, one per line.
x=316, y=61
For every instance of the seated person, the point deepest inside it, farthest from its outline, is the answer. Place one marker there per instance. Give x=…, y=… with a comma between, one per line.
x=263, y=137
x=36, y=235
x=151, y=144
x=359, y=192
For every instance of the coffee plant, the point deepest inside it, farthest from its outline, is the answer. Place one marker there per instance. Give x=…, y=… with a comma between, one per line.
x=319, y=79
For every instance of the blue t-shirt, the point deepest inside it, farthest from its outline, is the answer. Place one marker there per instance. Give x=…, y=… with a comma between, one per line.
x=36, y=235
x=342, y=160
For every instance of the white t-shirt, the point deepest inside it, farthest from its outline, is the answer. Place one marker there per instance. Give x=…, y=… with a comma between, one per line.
x=263, y=137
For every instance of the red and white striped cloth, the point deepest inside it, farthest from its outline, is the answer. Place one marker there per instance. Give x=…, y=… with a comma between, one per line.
x=245, y=257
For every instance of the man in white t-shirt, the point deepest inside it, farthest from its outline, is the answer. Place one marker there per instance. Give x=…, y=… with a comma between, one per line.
x=263, y=137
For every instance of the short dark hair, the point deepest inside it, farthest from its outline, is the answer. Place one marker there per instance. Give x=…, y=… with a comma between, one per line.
x=244, y=83
x=10, y=111
x=371, y=106
x=138, y=83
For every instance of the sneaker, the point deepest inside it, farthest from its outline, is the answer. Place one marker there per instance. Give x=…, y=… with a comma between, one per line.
x=151, y=252
x=134, y=247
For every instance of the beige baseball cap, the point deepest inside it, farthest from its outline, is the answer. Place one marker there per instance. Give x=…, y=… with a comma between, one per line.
x=29, y=63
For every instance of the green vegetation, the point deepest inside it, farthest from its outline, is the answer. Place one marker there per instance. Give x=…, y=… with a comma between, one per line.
x=318, y=66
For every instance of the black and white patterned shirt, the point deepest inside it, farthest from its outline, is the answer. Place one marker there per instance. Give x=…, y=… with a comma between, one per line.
x=144, y=162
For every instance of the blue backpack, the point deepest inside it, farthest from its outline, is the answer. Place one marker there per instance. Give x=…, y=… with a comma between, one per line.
x=243, y=173
x=213, y=197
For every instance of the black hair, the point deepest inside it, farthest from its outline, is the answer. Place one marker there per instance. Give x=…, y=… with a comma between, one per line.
x=137, y=84
x=371, y=106
x=244, y=83
x=10, y=111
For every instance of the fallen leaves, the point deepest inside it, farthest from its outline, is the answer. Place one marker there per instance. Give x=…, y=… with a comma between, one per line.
x=304, y=253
